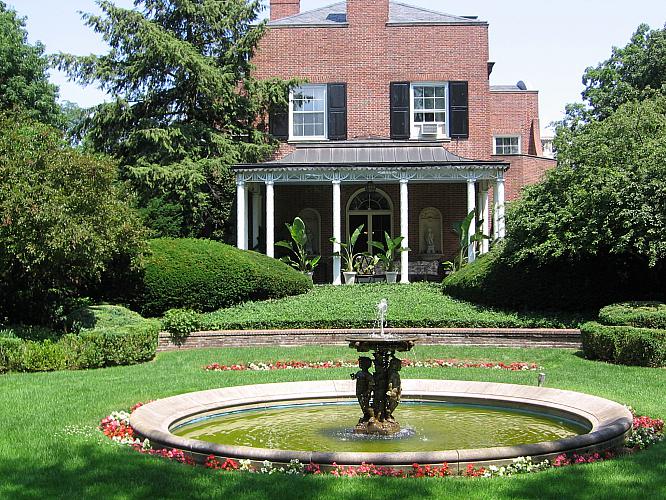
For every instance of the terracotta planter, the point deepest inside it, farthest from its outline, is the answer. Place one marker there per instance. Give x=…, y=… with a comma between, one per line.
x=350, y=277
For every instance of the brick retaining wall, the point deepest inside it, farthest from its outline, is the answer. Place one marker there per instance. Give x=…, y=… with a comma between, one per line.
x=495, y=337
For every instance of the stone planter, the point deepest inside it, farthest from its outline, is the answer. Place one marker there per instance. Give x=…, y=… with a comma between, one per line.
x=391, y=276
x=309, y=274
x=350, y=277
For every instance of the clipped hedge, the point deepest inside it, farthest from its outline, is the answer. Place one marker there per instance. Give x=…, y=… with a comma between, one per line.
x=626, y=345
x=638, y=314
x=109, y=341
x=206, y=275
x=585, y=285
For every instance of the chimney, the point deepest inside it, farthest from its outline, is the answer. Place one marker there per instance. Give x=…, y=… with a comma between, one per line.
x=284, y=8
x=363, y=12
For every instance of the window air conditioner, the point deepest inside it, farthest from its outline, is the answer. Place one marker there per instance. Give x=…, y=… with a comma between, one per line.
x=429, y=129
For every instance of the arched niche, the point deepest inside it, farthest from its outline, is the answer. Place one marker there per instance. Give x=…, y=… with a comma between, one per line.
x=312, y=221
x=430, y=231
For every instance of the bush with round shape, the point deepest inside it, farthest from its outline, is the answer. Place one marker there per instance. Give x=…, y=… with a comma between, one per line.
x=180, y=323
x=639, y=314
x=626, y=345
x=205, y=275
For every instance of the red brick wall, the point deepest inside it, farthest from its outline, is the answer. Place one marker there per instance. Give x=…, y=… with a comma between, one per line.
x=517, y=113
x=524, y=170
x=284, y=8
x=368, y=55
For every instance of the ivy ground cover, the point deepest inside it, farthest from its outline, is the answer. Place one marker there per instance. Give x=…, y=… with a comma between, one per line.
x=410, y=306
x=50, y=446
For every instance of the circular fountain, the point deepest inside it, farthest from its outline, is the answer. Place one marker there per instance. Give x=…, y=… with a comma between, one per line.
x=457, y=422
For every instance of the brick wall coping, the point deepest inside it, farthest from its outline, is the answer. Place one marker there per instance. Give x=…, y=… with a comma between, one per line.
x=496, y=337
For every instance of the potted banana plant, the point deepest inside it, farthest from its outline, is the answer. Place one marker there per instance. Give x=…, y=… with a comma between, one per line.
x=349, y=255
x=299, y=258
x=388, y=255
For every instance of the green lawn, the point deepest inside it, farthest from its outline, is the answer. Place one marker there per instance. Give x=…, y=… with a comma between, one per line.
x=414, y=305
x=49, y=447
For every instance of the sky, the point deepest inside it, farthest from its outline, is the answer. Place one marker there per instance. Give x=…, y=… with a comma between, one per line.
x=546, y=44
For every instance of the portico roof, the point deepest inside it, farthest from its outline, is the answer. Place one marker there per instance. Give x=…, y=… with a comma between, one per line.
x=375, y=153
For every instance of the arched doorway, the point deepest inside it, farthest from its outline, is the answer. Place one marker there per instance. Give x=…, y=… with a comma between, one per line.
x=371, y=207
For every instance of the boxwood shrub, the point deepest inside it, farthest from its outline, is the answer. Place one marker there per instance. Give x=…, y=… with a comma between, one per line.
x=206, y=275
x=626, y=345
x=639, y=314
x=584, y=285
x=109, y=341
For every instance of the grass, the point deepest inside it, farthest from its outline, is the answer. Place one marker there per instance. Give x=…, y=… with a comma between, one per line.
x=49, y=447
x=414, y=305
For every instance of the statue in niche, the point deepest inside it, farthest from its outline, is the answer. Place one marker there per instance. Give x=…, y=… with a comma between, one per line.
x=364, y=386
x=394, y=387
x=430, y=231
x=430, y=241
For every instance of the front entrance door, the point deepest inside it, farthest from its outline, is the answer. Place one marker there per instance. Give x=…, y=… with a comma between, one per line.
x=372, y=209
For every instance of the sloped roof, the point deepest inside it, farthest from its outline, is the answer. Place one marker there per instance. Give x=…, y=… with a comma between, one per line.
x=399, y=13
x=369, y=152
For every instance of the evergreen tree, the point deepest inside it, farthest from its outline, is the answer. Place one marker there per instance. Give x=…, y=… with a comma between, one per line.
x=185, y=106
x=24, y=84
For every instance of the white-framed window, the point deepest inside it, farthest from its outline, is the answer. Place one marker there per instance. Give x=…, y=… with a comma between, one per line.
x=506, y=145
x=307, y=113
x=429, y=109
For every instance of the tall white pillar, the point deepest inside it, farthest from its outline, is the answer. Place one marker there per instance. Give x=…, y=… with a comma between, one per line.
x=495, y=213
x=501, y=226
x=471, y=206
x=337, y=233
x=404, y=230
x=270, y=219
x=485, y=243
x=241, y=216
x=256, y=216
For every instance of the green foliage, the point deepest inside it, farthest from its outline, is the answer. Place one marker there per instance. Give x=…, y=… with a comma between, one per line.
x=625, y=345
x=560, y=285
x=465, y=239
x=65, y=221
x=186, y=105
x=180, y=323
x=348, y=254
x=638, y=314
x=299, y=239
x=24, y=80
x=108, y=336
x=102, y=316
x=389, y=251
x=418, y=305
x=205, y=275
x=630, y=74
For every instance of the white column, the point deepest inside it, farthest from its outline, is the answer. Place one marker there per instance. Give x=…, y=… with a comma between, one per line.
x=471, y=205
x=501, y=227
x=404, y=230
x=256, y=216
x=337, y=233
x=241, y=216
x=270, y=219
x=485, y=244
x=495, y=213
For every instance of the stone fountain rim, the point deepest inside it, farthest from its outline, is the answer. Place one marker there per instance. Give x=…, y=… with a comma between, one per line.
x=610, y=422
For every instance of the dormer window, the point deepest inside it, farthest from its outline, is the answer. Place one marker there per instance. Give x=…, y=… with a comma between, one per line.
x=307, y=113
x=429, y=110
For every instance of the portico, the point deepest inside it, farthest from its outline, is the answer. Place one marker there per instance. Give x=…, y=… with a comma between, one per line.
x=373, y=177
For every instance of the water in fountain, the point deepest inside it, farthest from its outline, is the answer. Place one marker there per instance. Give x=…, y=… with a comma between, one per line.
x=380, y=321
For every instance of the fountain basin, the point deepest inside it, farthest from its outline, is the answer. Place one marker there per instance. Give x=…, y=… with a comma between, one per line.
x=608, y=422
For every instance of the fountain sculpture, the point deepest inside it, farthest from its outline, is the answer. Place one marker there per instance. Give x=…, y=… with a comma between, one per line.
x=379, y=393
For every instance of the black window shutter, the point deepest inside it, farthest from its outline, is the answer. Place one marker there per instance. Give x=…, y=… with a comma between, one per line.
x=458, y=110
x=337, y=111
x=400, y=110
x=278, y=123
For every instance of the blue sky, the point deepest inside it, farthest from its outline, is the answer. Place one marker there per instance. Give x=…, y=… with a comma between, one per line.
x=547, y=44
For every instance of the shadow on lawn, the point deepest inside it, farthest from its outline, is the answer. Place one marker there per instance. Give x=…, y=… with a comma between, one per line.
x=90, y=471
